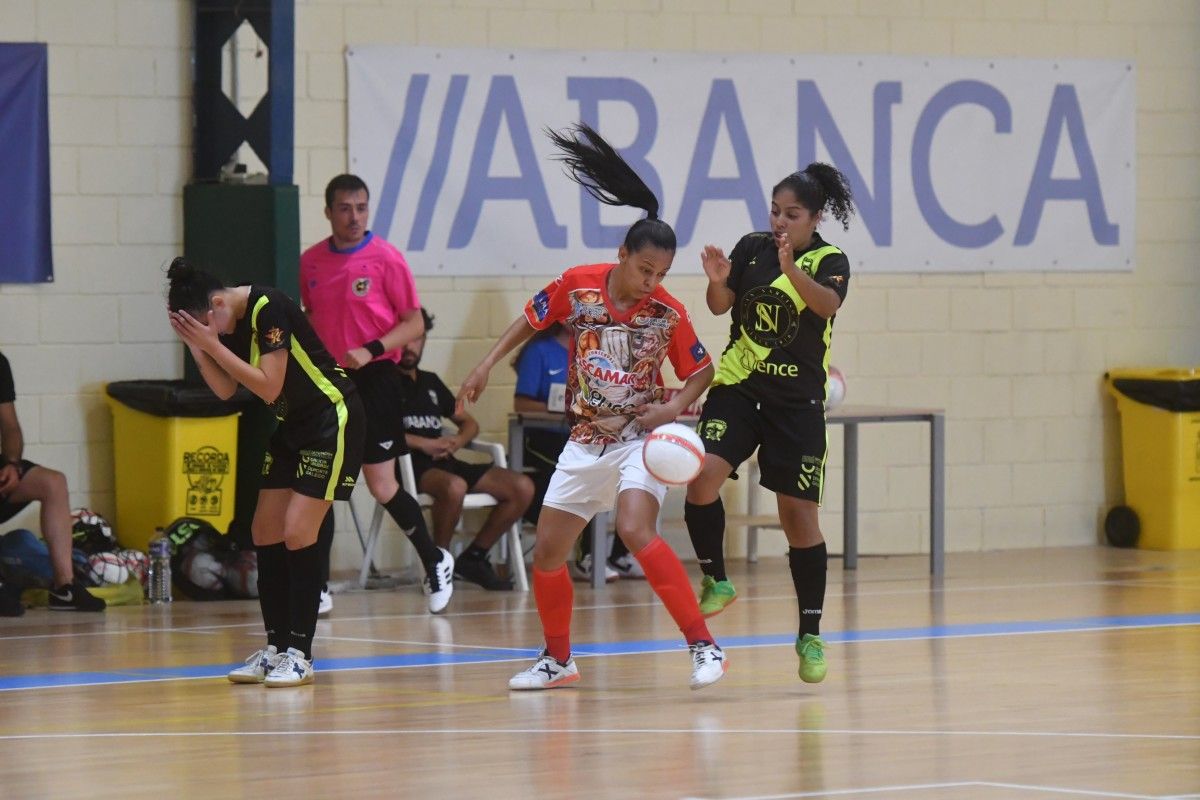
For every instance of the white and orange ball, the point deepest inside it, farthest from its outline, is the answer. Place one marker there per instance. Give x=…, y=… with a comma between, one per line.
x=673, y=453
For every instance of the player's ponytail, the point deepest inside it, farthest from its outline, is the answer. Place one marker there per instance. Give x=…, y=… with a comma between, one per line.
x=818, y=187
x=599, y=169
x=190, y=288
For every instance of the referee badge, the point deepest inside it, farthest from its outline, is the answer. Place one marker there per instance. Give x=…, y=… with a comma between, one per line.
x=362, y=286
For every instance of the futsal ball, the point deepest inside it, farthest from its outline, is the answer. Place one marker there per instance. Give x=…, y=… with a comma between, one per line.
x=673, y=453
x=91, y=532
x=137, y=562
x=241, y=574
x=835, y=388
x=204, y=570
x=107, y=569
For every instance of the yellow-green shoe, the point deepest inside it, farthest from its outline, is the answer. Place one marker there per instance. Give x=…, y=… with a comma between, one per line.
x=715, y=595
x=812, y=658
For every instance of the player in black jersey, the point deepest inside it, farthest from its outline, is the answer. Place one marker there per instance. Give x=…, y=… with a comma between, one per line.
x=258, y=337
x=784, y=287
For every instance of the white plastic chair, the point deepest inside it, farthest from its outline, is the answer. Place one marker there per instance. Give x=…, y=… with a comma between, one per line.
x=514, y=555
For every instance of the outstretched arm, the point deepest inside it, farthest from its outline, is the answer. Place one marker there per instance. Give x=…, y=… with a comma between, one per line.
x=477, y=380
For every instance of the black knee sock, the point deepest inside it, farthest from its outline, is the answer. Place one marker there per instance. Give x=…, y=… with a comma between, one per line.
x=305, y=567
x=274, y=593
x=706, y=526
x=407, y=514
x=325, y=542
x=808, y=566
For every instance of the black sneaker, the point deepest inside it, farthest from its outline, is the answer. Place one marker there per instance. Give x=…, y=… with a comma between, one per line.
x=10, y=601
x=73, y=597
x=479, y=571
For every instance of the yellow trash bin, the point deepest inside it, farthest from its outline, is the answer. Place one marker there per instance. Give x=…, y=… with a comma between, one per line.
x=1160, y=446
x=175, y=455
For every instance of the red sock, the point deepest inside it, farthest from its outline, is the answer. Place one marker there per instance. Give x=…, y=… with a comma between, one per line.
x=670, y=582
x=555, y=597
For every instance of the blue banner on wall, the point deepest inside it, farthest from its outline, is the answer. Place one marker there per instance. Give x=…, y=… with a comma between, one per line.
x=24, y=165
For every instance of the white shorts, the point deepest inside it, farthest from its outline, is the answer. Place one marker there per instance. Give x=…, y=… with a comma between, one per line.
x=589, y=477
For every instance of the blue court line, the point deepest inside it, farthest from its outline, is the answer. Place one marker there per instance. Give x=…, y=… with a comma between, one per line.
x=484, y=656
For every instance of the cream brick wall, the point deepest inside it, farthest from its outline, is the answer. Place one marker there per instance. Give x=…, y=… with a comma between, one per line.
x=1015, y=359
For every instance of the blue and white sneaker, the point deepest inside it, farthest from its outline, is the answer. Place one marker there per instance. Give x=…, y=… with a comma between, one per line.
x=256, y=667
x=293, y=669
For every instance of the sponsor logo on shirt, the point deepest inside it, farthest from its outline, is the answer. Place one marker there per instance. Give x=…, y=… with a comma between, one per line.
x=362, y=286
x=274, y=337
x=698, y=351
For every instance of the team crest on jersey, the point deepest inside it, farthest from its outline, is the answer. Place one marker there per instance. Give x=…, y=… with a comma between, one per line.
x=541, y=304
x=362, y=286
x=769, y=317
x=714, y=429
x=274, y=337
x=808, y=265
x=837, y=280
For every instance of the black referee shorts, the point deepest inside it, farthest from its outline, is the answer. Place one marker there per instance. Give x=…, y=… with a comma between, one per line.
x=381, y=388
x=791, y=440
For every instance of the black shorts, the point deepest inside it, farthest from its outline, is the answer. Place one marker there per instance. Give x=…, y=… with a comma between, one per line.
x=319, y=456
x=791, y=440
x=9, y=510
x=470, y=472
x=382, y=391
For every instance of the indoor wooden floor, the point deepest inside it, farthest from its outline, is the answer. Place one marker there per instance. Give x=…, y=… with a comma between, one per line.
x=1022, y=674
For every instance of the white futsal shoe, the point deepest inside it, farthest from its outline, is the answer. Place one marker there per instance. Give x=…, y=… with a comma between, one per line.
x=546, y=673
x=708, y=664
x=293, y=669
x=326, y=604
x=439, y=583
x=256, y=667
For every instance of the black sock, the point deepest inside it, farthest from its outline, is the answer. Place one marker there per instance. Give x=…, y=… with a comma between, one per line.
x=325, y=542
x=407, y=514
x=808, y=566
x=474, y=551
x=305, y=567
x=618, y=549
x=706, y=526
x=274, y=593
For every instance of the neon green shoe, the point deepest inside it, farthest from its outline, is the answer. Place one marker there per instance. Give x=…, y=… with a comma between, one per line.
x=812, y=658
x=715, y=595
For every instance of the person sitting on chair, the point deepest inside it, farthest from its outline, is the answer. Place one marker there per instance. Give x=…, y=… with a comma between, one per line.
x=447, y=479
x=22, y=482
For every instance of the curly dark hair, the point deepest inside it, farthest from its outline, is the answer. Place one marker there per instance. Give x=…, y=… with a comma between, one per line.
x=821, y=186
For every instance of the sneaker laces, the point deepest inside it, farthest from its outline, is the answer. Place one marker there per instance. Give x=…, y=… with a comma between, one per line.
x=700, y=652
x=812, y=649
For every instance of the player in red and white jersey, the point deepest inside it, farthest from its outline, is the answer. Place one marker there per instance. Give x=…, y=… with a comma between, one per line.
x=624, y=326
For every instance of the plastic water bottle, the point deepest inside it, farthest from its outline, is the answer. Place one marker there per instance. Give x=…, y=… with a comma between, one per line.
x=158, y=582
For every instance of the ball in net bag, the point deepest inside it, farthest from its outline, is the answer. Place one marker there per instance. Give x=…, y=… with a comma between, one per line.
x=673, y=453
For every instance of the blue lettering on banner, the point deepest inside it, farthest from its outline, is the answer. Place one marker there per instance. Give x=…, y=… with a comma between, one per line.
x=946, y=227
x=504, y=104
x=1064, y=168
x=406, y=137
x=1065, y=111
x=813, y=117
x=438, y=164
x=590, y=92
x=700, y=186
